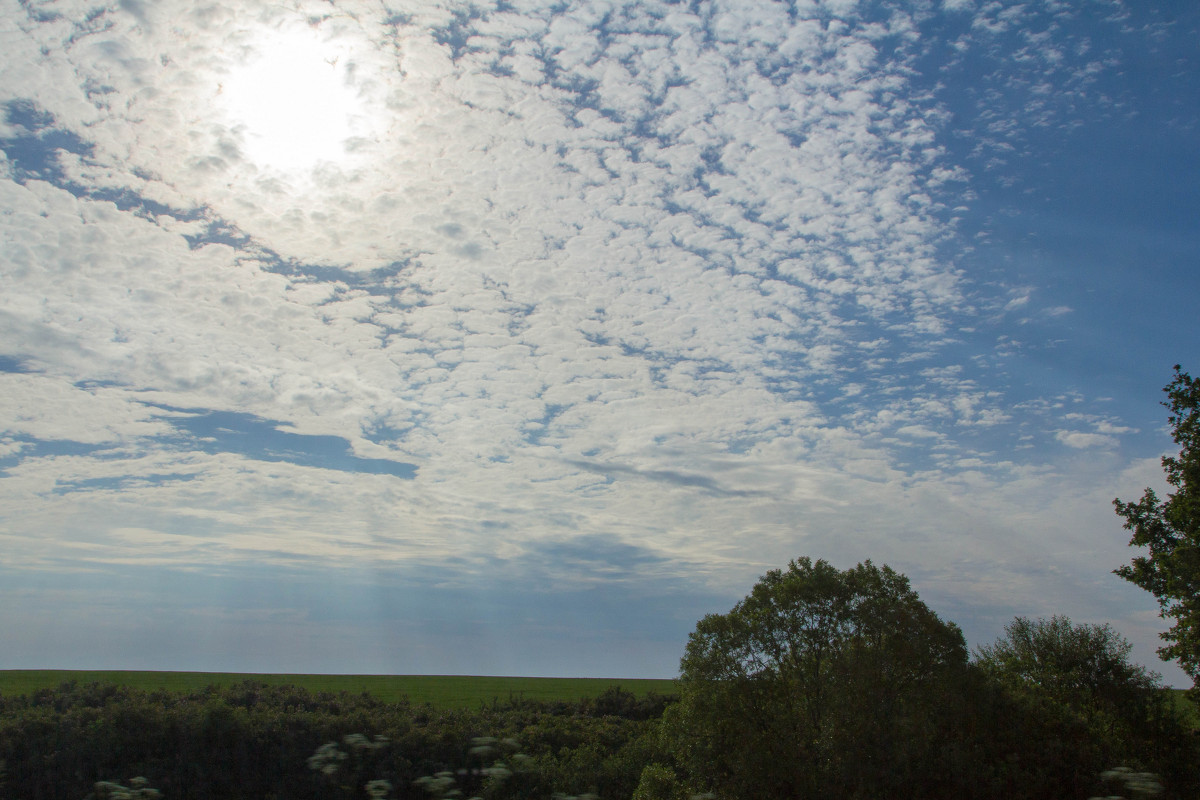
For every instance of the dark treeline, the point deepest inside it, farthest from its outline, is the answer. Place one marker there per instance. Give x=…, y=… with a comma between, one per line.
x=973, y=736
x=824, y=683
x=252, y=740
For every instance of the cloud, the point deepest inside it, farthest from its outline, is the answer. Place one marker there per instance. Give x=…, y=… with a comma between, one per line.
x=667, y=476
x=1080, y=440
x=657, y=294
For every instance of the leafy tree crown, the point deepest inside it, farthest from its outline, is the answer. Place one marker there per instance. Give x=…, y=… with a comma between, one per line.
x=1170, y=530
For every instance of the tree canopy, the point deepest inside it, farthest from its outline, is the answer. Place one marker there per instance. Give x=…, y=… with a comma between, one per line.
x=1085, y=668
x=1170, y=529
x=1072, y=688
x=819, y=683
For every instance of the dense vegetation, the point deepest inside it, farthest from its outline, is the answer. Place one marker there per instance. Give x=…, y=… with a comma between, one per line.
x=253, y=740
x=443, y=691
x=820, y=684
x=830, y=684
x=872, y=696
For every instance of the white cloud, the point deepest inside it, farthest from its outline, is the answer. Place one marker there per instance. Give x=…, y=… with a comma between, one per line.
x=1082, y=441
x=678, y=283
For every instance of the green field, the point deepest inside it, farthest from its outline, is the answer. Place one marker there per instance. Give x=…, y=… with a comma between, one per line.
x=444, y=691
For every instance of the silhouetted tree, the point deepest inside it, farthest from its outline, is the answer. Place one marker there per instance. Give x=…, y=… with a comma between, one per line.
x=1171, y=530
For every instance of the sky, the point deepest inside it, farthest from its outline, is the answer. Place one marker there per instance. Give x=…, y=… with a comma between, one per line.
x=512, y=338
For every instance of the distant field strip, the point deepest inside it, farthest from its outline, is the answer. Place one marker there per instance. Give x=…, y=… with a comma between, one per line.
x=444, y=691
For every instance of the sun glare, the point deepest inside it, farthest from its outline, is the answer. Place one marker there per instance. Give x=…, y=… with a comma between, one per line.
x=294, y=101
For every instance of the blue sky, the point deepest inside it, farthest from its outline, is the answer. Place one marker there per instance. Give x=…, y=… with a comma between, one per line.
x=512, y=338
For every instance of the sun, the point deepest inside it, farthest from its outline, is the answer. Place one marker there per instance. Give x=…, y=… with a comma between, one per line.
x=293, y=100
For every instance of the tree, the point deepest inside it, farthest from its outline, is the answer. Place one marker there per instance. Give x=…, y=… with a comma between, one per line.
x=818, y=683
x=1071, y=662
x=1171, y=531
x=1083, y=667
x=1074, y=684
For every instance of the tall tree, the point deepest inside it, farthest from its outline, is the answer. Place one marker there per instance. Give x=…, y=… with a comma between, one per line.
x=1171, y=530
x=820, y=683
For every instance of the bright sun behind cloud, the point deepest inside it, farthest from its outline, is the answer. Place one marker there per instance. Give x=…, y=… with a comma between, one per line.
x=294, y=101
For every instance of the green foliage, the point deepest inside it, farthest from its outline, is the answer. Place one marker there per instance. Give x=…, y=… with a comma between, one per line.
x=828, y=684
x=1185, y=708
x=138, y=789
x=255, y=740
x=494, y=761
x=1171, y=530
x=658, y=782
x=819, y=683
x=1085, y=667
x=443, y=691
x=1075, y=683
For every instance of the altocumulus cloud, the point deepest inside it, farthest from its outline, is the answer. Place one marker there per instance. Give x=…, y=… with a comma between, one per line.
x=599, y=309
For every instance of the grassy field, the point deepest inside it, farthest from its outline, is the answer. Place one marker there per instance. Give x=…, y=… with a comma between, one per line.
x=445, y=691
